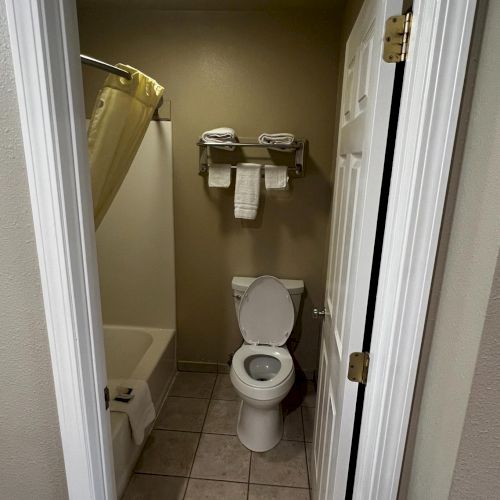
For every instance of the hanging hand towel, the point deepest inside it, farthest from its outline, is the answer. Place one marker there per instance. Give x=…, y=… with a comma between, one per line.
x=276, y=176
x=247, y=190
x=282, y=138
x=137, y=404
x=121, y=116
x=219, y=175
x=220, y=135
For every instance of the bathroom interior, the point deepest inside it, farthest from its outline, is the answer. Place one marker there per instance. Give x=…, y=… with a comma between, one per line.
x=173, y=257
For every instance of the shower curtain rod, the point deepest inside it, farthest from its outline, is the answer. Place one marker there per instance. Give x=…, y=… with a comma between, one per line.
x=96, y=63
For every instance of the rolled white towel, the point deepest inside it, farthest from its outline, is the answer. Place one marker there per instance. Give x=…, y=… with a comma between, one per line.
x=220, y=135
x=219, y=175
x=247, y=190
x=276, y=176
x=281, y=138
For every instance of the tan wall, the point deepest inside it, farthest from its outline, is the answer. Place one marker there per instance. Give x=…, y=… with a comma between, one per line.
x=254, y=71
x=477, y=469
x=466, y=264
x=135, y=241
x=31, y=461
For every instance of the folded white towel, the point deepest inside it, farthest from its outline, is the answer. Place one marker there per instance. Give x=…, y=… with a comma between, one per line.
x=219, y=175
x=220, y=135
x=276, y=176
x=281, y=138
x=247, y=190
x=139, y=408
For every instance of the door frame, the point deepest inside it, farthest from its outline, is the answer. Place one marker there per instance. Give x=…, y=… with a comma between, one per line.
x=425, y=137
x=45, y=51
x=46, y=57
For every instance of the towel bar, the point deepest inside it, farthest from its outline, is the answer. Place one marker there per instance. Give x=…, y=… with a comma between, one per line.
x=296, y=147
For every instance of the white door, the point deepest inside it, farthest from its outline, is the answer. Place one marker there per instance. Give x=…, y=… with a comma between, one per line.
x=366, y=99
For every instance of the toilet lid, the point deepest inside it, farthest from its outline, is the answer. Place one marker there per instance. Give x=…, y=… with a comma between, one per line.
x=266, y=314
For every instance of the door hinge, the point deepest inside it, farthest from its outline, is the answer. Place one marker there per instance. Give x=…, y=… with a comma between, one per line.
x=106, y=397
x=358, y=367
x=397, y=38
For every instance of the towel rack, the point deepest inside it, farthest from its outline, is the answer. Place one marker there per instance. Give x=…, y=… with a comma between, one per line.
x=296, y=147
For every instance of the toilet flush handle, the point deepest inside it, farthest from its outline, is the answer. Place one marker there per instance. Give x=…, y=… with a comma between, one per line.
x=318, y=313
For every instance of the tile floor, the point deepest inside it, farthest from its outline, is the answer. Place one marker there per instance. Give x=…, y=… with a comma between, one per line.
x=193, y=452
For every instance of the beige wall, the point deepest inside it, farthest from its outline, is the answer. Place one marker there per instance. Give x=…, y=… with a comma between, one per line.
x=477, y=469
x=135, y=241
x=460, y=293
x=31, y=462
x=254, y=71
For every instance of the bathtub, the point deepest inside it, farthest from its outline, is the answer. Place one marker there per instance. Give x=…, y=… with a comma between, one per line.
x=138, y=353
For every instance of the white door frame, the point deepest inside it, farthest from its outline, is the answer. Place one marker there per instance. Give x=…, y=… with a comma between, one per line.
x=430, y=104
x=46, y=57
x=45, y=50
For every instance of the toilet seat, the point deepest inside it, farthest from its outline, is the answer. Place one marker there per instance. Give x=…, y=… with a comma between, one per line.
x=281, y=354
x=266, y=314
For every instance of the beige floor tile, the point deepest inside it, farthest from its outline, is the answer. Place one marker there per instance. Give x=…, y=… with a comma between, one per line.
x=284, y=465
x=182, y=414
x=308, y=419
x=222, y=417
x=261, y=492
x=149, y=487
x=310, y=395
x=193, y=385
x=293, y=429
x=224, y=389
x=204, y=489
x=168, y=452
x=221, y=457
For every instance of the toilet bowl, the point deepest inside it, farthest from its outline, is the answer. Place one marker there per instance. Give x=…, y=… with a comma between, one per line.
x=262, y=370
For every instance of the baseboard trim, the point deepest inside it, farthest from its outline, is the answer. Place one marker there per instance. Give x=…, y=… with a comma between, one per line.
x=202, y=367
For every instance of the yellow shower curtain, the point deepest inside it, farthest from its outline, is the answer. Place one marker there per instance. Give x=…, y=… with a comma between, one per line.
x=122, y=113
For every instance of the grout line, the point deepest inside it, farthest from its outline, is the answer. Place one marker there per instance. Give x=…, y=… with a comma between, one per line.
x=174, y=430
x=305, y=451
x=184, y=397
x=222, y=480
x=164, y=429
x=282, y=486
x=249, y=472
x=160, y=475
x=199, y=437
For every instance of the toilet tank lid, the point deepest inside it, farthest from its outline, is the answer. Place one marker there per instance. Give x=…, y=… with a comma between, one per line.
x=241, y=283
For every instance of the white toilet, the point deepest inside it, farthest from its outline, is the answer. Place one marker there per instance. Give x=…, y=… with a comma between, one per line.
x=262, y=370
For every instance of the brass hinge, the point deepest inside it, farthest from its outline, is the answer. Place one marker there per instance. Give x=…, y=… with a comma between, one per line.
x=106, y=397
x=397, y=38
x=358, y=367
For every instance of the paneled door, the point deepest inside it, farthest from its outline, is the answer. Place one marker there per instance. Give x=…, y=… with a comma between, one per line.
x=364, y=119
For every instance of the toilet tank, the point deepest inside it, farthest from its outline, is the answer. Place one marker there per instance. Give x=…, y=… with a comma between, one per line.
x=240, y=284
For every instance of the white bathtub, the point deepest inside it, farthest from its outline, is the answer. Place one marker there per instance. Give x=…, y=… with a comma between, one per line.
x=138, y=353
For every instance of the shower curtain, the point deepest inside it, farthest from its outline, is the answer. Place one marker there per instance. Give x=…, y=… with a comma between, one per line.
x=121, y=115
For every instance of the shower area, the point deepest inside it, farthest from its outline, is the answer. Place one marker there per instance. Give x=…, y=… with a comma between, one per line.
x=130, y=153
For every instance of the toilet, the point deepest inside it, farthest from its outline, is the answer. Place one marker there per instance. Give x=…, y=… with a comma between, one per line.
x=262, y=370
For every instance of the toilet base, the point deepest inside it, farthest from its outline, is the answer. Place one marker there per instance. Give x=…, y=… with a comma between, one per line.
x=260, y=429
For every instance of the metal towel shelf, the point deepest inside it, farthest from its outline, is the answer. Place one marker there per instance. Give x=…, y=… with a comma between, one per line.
x=296, y=147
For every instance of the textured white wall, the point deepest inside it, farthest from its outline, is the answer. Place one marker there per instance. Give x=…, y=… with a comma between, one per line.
x=477, y=470
x=469, y=266
x=31, y=461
